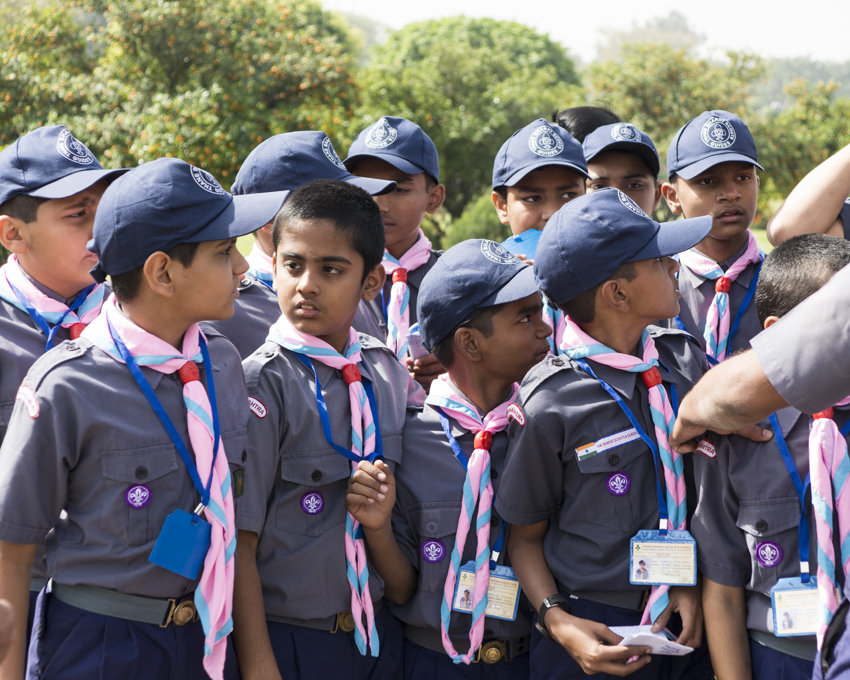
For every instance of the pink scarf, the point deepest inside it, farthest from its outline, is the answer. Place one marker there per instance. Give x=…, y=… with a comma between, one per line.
x=398, y=307
x=260, y=265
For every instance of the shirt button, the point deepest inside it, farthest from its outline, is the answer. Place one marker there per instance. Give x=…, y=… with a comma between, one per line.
x=494, y=522
x=141, y=472
x=316, y=476
x=488, y=633
x=613, y=459
x=761, y=525
x=558, y=362
x=493, y=474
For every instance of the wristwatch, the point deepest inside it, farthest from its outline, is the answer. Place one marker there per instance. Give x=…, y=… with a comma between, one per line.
x=556, y=600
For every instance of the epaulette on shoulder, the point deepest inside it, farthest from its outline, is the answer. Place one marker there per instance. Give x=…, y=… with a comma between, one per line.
x=49, y=361
x=254, y=363
x=543, y=371
x=660, y=332
x=368, y=342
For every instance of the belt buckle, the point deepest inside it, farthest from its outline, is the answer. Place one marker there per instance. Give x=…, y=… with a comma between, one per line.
x=172, y=604
x=493, y=651
x=184, y=613
x=345, y=622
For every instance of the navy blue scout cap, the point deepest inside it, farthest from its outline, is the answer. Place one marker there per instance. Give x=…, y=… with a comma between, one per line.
x=161, y=204
x=288, y=161
x=712, y=137
x=594, y=235
x=474, y=274
x=622, y=137
x=538, y=144
x=48, y=163
x=399, y=142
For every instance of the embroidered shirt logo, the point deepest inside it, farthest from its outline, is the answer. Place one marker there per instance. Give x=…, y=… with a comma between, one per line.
x=257, y=407
x=515, y=413
x=610, y=442
x=618, y=484
x=718, y=133
x=630, y=204
x=769, y=554
x=137, y=496
x=312, y=503
x=433, y=551
x=73, y=149
x=544, y=141
x=330, y=153
x=27, y=396
x=380, y=135
x=626, y=133
x=206, y=181
x=497, y=253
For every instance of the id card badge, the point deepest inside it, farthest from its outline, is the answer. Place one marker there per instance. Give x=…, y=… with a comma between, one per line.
x=663, y=559
x=502, y=593
x=796, y=607
x=182, y=544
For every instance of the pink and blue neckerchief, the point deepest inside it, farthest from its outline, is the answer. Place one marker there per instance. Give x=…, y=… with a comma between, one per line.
x=260, y=266
x=365, y=445
x=397, y=309
x=829, y=468
x=579, y=346
x=477, y=488
x=19, y=291
x=127, y=343
x=717, y=332
x=555, y=318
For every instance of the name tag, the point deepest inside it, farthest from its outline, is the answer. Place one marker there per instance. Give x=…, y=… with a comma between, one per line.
x=606, y=443
x=502, y=593
x=182, y=544
x=796, y=607
x=669, y=560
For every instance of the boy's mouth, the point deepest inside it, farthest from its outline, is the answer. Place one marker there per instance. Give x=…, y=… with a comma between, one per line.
x=307, y=310
x=388, y=224
x=731, y=215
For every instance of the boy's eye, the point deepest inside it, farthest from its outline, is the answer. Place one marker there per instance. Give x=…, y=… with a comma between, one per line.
x=596, y=186
x=531, y=199
x=569, y=195
x=634, y=185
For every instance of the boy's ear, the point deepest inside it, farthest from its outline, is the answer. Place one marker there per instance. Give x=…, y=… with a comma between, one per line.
x=436, y=196
x=268, y=227
x=658, y=188
x=612, y=294
x=769, y=321
x=501, y=205
x=11, y=236
x=374, y=282
x=467, y=344
x=671, y=195
x=158, y=275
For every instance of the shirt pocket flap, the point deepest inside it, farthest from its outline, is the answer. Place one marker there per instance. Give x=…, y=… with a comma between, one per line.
x=318, y=470
x=236, y=446
x=139, y=466
x=612, y=459
x=435, y=520
x=766, y=518
x=391, y=444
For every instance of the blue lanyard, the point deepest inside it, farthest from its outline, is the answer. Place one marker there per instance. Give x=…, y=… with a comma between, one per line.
x=266, y=284
x=800, y=487
x=463, y=460
x=142, y=382
x=326, y=422
x=846, y=429
x=39, y=319
x=662, y=504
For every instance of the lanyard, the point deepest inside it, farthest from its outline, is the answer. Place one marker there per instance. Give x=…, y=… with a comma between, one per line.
x=463, y=460
x=326, y=422
x=801, y=488
x=142, y=382
x=256, y=276
x=662, y=504
x=39, y=319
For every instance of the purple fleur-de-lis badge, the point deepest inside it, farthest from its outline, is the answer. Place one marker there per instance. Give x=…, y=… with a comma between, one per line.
x=769, y=554
x=433, y=550
x=137, y=496
x=312, y=503
x=618, y=483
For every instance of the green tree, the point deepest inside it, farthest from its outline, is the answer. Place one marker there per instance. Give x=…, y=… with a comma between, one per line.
x=479, y=220
x=470, y=83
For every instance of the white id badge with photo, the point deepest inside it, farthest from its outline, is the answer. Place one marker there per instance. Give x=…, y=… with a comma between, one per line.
x=668, y=559
x=502, y=593
x=796, y=607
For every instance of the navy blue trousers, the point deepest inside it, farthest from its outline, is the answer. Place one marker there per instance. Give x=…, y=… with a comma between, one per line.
x=425, y=664
x=68, y=643
x=768, y=664
x=550, y=661
x=306, y=654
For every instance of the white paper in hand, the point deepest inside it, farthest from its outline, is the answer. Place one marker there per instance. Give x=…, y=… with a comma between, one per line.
x=642, y=636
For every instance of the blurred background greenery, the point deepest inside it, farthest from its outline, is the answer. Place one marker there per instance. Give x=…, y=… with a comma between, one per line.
x=207, y=82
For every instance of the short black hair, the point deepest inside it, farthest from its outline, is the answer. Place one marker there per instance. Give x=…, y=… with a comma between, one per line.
x=796, y=269
x=22, y=207
x=482, y=321
x=126, y=286
x=582, y=309
x=580, y=121
x=352, y=211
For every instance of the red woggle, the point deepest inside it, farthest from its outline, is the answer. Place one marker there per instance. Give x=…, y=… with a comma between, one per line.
x=351, y=374
x=483, y=440
x=400, y=276
x=76, y=330
x=652, y=377
x=826, y=413
x=189, y=372
x=723, y=285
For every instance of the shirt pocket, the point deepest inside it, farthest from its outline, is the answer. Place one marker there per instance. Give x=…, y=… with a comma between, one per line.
x=437, y=526
x=769, y=525
x=311, y=497
x=141, y=488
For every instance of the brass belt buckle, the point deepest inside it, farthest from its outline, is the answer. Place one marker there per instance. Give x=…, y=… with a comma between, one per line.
x=493, y=651
x=184, y=613
x=172, y=604
x=345, y=621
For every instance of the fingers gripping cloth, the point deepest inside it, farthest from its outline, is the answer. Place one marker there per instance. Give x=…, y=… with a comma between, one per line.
x=718, y=319
x=214, y=594
x=398, y=307
x=477, y=489
x=579, y=345
x=363, y=445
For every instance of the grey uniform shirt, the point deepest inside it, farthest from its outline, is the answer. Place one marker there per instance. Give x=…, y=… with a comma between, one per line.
x=590, y=525
x=429, y=490
x=746, y=499
x=806, y=354
x=295, y=483
x=698, y=294
x=92, y=437
x=255, y=310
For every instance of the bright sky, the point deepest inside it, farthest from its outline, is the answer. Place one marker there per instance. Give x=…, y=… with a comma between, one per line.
x=771, y=28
